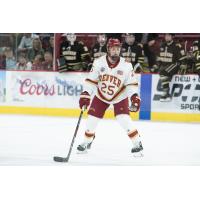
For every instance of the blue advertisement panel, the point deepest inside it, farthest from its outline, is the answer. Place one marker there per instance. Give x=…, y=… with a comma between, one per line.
x=145, y=95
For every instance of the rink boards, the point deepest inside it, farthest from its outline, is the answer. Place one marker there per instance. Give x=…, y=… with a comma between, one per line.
x=55, y=94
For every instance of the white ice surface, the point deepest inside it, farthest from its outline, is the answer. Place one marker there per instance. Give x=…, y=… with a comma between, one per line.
x=33, y=140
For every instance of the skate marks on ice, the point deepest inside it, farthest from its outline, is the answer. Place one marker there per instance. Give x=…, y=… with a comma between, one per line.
x=31, y=140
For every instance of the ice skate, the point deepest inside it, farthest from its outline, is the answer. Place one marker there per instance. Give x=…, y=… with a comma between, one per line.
x=137, y=150
x=83, y=147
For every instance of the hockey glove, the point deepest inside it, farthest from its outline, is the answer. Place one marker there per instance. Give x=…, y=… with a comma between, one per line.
x=84, y=100
x=135, y=103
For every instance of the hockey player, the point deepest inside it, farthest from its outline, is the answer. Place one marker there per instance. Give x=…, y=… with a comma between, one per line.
x=99, y=48
x=196, y=56
x=171, y=58
x=74, y=55
x=133, y=52
x=115, y=82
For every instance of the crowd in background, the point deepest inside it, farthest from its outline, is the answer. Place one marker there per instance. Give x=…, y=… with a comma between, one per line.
x=26, y=51
x=76, y=52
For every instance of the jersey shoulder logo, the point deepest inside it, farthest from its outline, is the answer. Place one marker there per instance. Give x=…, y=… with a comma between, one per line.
x=102, y=69
x=120, y=72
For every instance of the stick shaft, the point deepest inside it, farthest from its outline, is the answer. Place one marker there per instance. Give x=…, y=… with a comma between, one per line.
x=75, y=133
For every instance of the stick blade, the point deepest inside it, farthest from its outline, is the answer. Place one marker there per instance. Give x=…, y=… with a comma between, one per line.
x=60, y=159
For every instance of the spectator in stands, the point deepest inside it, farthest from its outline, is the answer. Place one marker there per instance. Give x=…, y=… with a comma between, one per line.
x=25, y=43
x=7, y=40
x=37, y=62
x=74, y=55
x=99, y=48
x=46, y=39
x=51, y=45
x=10, y=59
x=23, y=63
x=133, y=52
x=47, y=64
x=35, y=50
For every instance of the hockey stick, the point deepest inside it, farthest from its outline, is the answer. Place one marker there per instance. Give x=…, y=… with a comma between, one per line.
x=66, y=159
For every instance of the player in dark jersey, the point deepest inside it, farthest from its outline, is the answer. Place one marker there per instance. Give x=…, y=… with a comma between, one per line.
x=74, y=55
x=99, y=48
x=196, y=56
x=133, y=52
x=171, y=58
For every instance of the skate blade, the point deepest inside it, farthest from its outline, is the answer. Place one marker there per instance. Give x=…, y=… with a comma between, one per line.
x=138, y=154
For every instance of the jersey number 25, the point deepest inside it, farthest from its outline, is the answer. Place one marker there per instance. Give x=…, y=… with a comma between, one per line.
x=108, y=89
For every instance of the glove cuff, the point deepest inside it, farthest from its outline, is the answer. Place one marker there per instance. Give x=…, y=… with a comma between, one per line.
x=135, y=95
x=85, y=95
